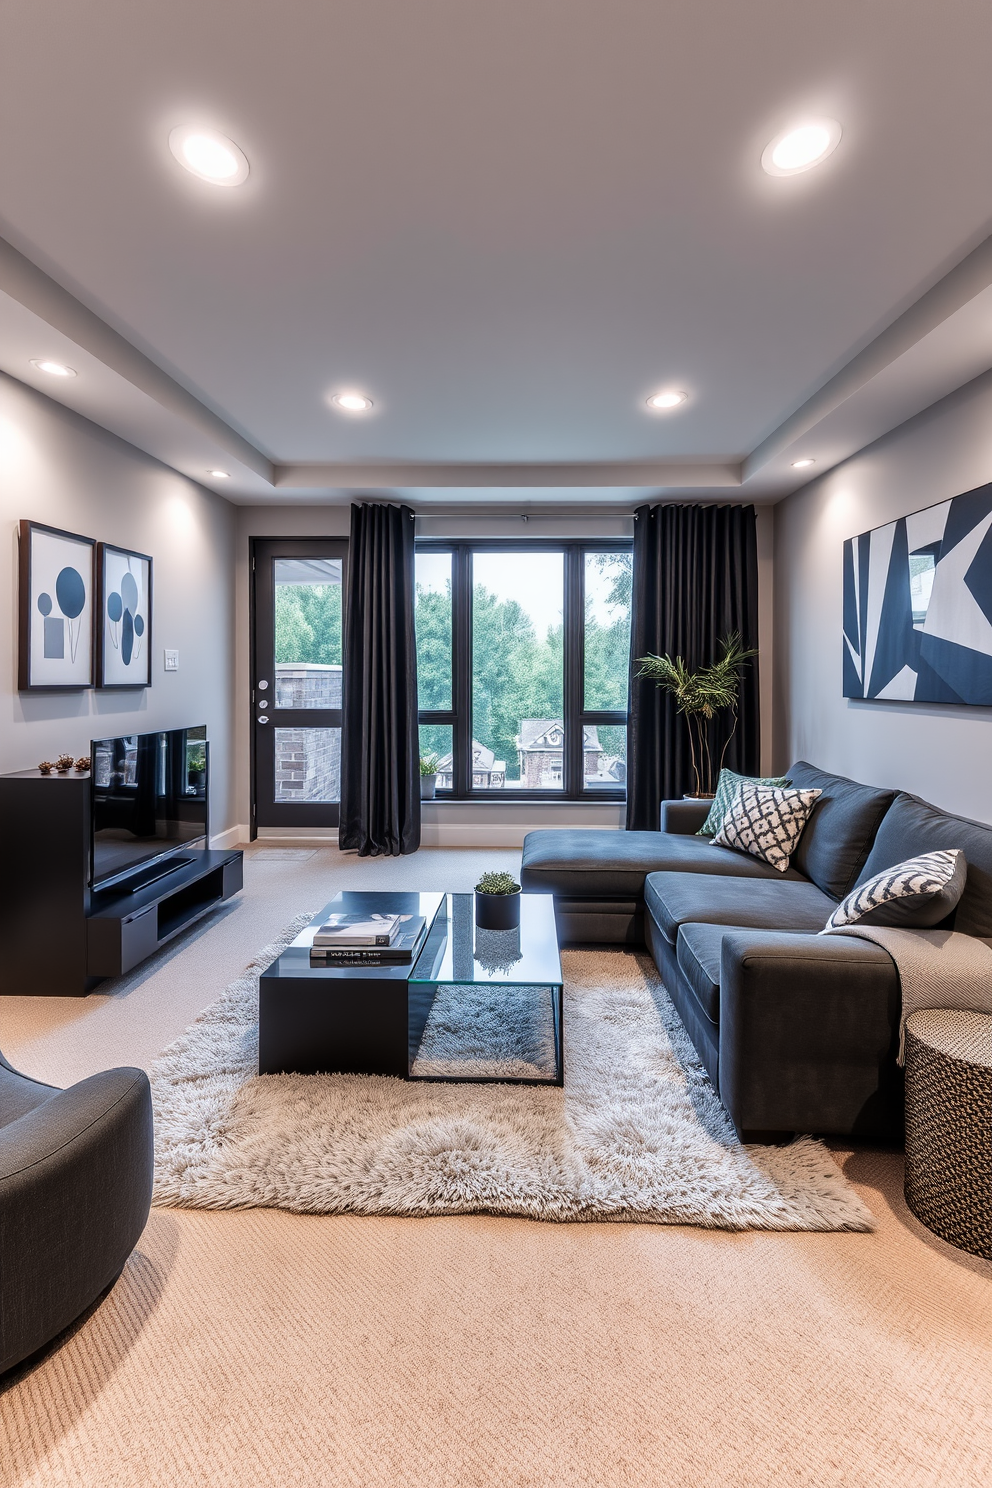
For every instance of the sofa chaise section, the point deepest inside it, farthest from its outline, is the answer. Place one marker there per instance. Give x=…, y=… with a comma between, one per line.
x=597, y=877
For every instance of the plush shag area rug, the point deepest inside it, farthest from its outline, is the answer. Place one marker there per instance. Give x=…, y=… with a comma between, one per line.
x=637, y=1133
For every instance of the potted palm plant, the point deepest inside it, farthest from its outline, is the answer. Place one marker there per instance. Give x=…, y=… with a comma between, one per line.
x=497, y=902
x=428, y=776
x=699, y=696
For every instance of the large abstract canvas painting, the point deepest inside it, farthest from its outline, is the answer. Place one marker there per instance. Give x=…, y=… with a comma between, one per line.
x=918, y=606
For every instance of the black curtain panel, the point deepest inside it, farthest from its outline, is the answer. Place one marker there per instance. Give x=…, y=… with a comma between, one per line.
x=695, y=581
x=380, y=773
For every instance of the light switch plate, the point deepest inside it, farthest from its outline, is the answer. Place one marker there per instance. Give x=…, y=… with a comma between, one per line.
x=172, y=661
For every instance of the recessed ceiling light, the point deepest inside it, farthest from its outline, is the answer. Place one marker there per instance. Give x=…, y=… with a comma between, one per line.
x=220, y=474
x=54, y=369
x=802, y=464
x=801, y=147
x=352, y=402
x=670, y=398
x=211, y=156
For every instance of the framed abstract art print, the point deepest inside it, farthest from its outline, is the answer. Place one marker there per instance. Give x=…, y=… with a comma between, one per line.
x=55, y=609
x=918, y=606
x=124, y=618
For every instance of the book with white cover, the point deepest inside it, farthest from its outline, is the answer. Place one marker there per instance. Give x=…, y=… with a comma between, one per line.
x=357, y=930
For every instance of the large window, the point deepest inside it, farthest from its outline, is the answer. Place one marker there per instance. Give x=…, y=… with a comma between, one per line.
x=522, y=666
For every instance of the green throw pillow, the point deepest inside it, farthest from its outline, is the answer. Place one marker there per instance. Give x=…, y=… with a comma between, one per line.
x=726, y=788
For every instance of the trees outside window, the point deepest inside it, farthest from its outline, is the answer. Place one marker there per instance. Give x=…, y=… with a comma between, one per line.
x=522, y=666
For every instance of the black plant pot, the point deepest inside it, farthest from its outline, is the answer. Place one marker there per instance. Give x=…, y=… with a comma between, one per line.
x=497, y=911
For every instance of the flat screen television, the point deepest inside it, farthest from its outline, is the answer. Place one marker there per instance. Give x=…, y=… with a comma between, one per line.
x=149, y=800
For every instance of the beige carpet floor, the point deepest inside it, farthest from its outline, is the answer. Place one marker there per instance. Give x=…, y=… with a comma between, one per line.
x=265, y=1348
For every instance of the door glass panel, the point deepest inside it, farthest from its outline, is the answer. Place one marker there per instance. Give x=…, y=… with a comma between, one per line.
x=433, y=626
x=307, y=636
x=604, y=755
x=307, y=764
x=518, y=735
x=607, y=631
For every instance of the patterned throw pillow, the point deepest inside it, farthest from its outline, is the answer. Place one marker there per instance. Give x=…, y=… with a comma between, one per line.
x=726, y=789
x=767, y=822
x=913, y=895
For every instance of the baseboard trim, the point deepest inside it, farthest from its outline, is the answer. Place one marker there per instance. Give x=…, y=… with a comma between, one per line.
x=486, y=834
x=231, y=838
x=302, y=837
x=433, y=834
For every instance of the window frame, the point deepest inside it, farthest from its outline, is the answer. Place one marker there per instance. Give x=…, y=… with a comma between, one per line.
x=576, y=716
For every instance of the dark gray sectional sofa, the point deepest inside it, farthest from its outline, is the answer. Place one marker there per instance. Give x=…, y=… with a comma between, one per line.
x=798, y=1032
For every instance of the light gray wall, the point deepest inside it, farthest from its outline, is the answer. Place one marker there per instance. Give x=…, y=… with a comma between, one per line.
x=58, y=468
x=472, y=823
x=938, y=752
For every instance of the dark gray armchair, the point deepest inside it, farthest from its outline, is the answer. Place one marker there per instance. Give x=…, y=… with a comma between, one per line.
x=75, y=1190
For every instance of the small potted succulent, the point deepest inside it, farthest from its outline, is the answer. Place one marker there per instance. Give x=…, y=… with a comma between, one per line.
x=497, y=902
x=428, y=776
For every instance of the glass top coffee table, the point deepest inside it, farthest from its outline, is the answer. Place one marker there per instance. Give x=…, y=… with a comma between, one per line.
x=486, y=1005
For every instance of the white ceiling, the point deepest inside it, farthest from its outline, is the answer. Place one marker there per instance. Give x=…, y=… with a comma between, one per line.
x=508, y=223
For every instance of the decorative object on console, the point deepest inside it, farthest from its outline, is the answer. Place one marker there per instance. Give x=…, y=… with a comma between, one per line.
x=82, y=764
x=428, y=776
x=916, y=894
x=46, y=767
x=124, y=630
x=929, y=639
x=726, y=789
x=767, y=822
x=55, y=609
x=700, y=696
x=497, y=902
x=64, y=763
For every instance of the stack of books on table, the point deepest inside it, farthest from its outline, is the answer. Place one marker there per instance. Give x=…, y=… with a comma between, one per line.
x=367, y=940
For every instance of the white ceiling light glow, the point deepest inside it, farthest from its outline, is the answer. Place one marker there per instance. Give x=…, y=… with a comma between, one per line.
x=211, y=156
x=669, y=398
x=54, y=369
x=801, y=147
x=220, y=474
x=802, y=464
x=352, y=402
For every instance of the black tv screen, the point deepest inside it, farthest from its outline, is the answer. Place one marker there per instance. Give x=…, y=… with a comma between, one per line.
x=149, y=798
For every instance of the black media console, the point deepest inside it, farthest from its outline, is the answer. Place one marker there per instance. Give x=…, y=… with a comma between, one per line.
x=59, y=937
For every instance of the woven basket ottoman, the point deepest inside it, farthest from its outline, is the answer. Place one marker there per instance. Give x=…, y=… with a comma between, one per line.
x=949, y=1126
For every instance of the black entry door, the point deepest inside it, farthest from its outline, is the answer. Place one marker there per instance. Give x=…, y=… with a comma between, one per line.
x=297, y=593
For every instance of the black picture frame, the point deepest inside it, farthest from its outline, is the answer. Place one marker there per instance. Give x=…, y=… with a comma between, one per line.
x=48, y=605
x=123, y=620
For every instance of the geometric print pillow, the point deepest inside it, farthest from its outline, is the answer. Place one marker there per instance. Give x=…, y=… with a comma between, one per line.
x=766, y=822
x=726, y=790
x=914, y=895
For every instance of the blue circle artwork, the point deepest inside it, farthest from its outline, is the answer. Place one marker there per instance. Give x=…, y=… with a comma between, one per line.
x=45, y=603
x=115, y=606
x=129, y=593
x=70, y=591
x=127, y=637
x=139, y=625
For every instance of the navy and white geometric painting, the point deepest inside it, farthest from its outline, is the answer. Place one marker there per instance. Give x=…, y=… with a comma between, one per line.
x=55, y=647
x=124, y=635
x=918, y=606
